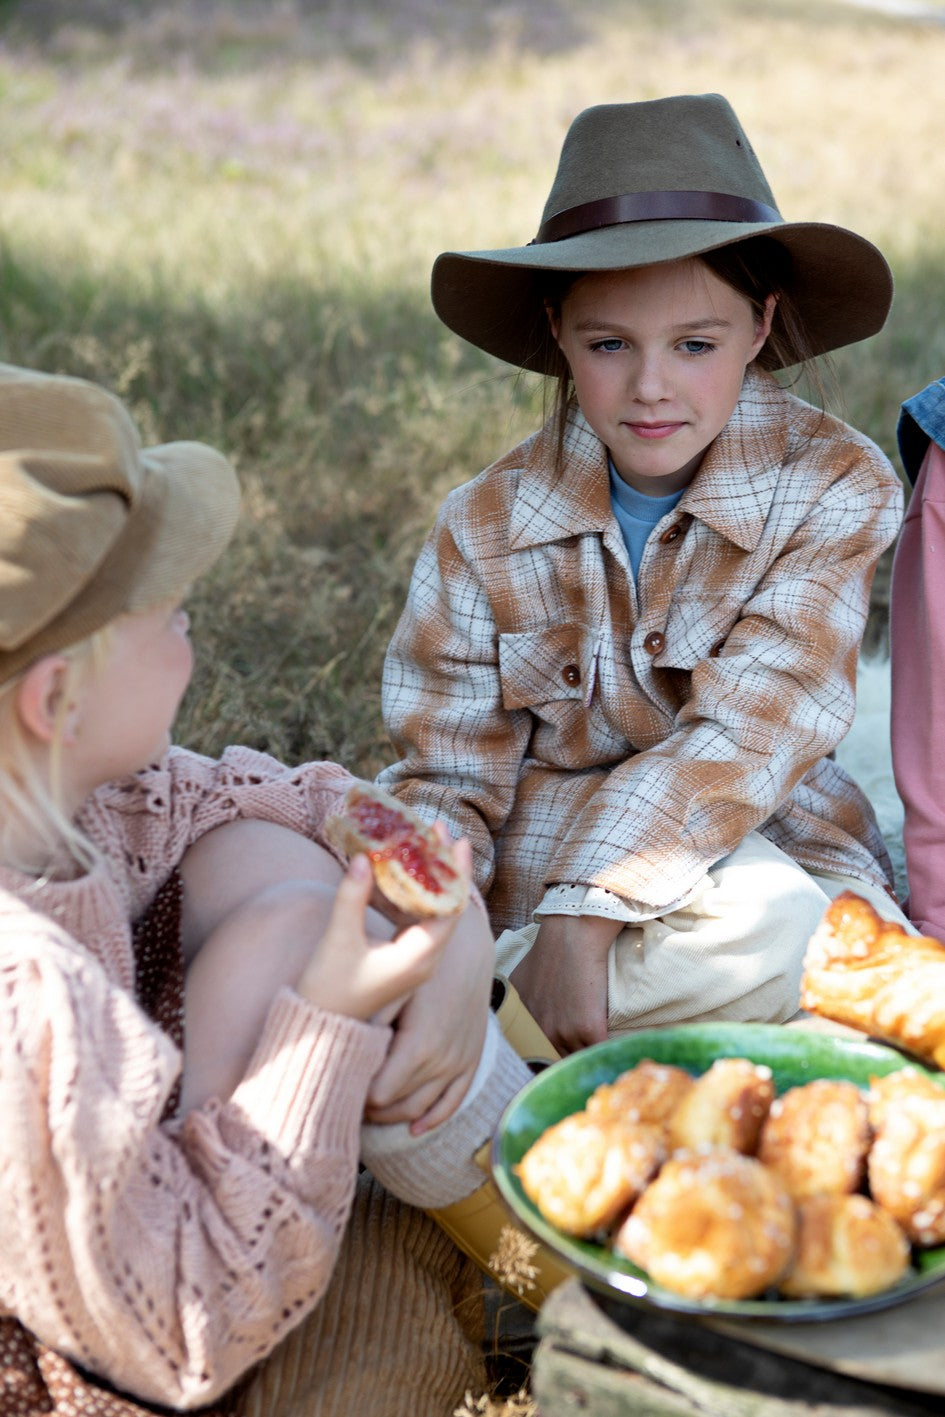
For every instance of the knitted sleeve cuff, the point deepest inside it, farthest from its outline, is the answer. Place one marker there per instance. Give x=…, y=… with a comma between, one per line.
x=304, y=1089
x=438, y=1168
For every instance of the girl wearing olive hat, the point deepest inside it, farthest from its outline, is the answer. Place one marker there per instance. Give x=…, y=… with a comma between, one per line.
x=193, y=1023
x=629, y=648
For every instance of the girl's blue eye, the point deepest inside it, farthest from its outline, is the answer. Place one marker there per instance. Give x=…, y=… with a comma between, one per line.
x=609, y=346
x=698, y=346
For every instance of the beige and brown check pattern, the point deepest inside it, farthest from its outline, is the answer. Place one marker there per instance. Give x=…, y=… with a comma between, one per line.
x=581, y=729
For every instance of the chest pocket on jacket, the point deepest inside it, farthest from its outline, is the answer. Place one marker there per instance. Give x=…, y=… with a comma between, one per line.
x=697, y=627
x=547, y=665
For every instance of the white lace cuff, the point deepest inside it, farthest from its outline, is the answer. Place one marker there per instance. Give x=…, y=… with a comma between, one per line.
x=595, y=900
x=589, y=900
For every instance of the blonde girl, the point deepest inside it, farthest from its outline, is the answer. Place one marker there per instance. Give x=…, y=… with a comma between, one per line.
x=629, y=648
x=198, y=1003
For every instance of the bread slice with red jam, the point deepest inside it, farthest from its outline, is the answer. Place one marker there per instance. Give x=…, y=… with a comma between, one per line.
x=412, y=866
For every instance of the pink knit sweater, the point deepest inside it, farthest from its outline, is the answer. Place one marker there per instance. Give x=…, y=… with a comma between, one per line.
x=169, y=1256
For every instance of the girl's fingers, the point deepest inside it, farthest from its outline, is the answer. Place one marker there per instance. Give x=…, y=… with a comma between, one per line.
x=411, y=1106
x=351, y=973
x=358, y=880
x=351, y=901
x=462, y=855
x=419, y=948
x=406, y=1069
x=354, y=890
x=391, y=971
x=444, y=1106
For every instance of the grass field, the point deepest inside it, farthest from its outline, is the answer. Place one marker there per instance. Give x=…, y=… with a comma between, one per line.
x=228, y=213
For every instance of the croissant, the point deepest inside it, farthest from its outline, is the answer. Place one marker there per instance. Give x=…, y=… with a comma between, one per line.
x=862, y=970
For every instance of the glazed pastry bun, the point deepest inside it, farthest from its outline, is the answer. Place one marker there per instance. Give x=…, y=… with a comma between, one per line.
x=713, y=1223
x=846, y=1246
x=726, y=1107
x=816, y=1138
x=907, y=1166
x=886, y=1093
x=585, y=1171
x=648, y=1092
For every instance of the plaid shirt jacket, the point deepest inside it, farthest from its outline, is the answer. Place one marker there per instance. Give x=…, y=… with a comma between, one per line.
x=579, y=728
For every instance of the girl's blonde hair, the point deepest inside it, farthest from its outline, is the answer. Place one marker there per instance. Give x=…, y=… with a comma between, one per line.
x=31, y=798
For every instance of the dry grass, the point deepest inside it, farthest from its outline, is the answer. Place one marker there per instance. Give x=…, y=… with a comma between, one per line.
x=228, y=213
x=520, y=1404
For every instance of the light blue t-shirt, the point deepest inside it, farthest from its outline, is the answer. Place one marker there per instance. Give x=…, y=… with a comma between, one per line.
x=637, y=514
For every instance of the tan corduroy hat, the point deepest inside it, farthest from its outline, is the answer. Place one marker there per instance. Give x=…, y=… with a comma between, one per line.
x=640, y=183
x=92, y=525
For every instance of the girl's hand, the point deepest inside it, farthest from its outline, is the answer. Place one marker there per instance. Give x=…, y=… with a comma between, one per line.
x=563, y=979
x=441, y=1029
x=349, y=973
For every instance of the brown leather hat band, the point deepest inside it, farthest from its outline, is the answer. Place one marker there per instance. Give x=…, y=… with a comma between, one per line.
x=653, y=206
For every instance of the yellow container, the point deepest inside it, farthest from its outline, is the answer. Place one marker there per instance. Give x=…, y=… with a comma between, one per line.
x=521, y=1030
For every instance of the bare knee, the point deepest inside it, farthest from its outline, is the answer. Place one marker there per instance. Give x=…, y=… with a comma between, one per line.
x=261, y=947
x=267, y=940
x=235, y=862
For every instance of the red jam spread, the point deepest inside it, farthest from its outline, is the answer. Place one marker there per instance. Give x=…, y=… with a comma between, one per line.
x=378, y=822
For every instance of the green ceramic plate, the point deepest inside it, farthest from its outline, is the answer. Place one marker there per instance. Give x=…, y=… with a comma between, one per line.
x=794, y=1056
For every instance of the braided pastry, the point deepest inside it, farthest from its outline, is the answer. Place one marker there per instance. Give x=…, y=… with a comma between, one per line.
x=868, y=972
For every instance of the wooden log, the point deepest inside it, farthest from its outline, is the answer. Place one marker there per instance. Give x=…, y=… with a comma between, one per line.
x=608, y=1358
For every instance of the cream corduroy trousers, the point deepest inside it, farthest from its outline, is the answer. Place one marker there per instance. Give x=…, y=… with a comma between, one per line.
x=734, y=952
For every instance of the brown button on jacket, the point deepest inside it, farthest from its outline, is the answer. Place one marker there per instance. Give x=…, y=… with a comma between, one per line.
x=708, y=695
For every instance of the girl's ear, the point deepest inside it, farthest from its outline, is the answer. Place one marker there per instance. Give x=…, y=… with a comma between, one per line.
x=554, y=319
x=39, y=698
x=763, y=326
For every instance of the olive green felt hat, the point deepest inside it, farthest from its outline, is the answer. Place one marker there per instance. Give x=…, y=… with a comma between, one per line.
x=92, y=525
x=640, y=183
